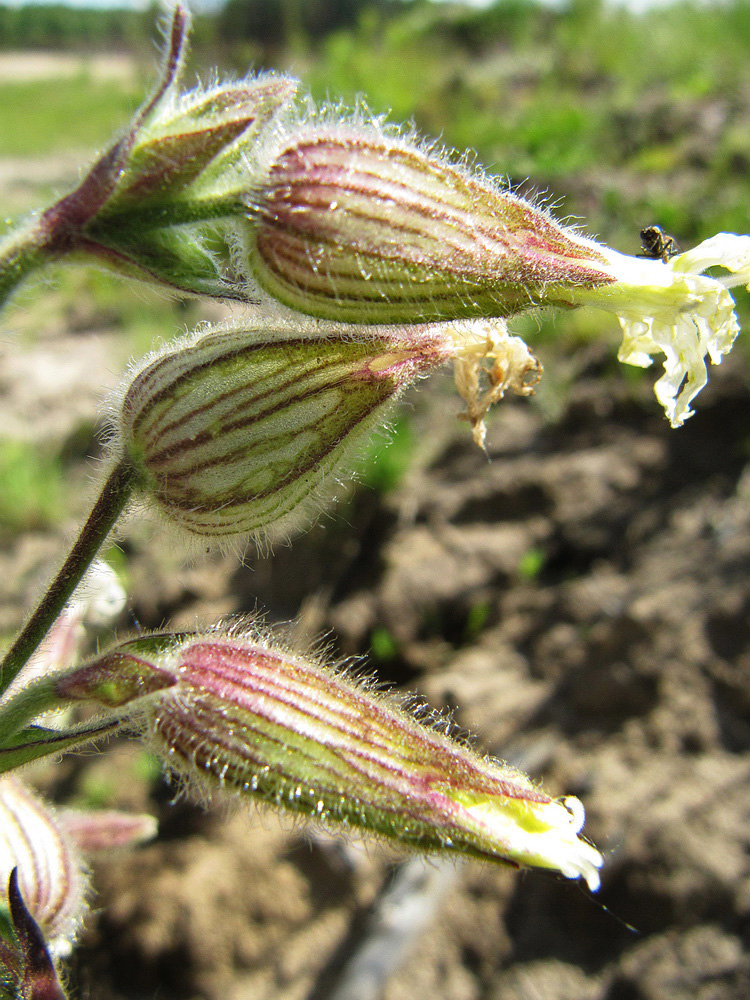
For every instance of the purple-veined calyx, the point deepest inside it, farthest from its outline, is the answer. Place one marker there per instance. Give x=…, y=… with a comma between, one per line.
x=244, y=429
x=357, y=223
x=249, y=717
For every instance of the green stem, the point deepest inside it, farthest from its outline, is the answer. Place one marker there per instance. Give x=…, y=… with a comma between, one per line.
x=36, y=741
x=27, y=705
x=107, y=509
x=161, y=216
x=21, y=252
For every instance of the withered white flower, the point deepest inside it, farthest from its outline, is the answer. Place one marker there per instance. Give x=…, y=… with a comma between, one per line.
x=673, y=308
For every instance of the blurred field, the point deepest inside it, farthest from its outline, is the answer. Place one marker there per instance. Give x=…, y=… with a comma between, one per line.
x=16, y=67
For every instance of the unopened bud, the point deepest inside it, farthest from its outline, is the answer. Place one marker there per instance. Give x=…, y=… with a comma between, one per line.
x=244, y=429
x=50, y=871
x=102, y=830
x=249, y=718
x=180, y=180
x=112, y=680
x=162, y=204
x=195, y=142
x=354, y=224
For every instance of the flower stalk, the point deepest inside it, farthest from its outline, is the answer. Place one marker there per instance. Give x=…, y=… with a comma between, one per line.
x=35, y=742
x=110, y=504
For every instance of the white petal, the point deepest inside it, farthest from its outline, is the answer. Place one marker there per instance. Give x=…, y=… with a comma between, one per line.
x=674, y=310
x=542, y=834
x=723, y=250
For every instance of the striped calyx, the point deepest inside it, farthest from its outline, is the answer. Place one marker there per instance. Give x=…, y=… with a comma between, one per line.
x=50, y=871
x=243, y=429
x=352, y=224
x=252, y=719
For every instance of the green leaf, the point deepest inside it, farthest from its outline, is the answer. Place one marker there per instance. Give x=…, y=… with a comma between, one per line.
x=36, y=742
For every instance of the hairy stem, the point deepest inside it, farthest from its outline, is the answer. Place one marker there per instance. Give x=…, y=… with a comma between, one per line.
x=27, y=705
x=162, y=215
x=20, y=253
x=37, y=742
x=107, y=509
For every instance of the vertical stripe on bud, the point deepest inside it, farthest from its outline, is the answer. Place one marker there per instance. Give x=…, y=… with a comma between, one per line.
x=352, y=224
x=50, y=871
x=252, y=719
x=243, y=430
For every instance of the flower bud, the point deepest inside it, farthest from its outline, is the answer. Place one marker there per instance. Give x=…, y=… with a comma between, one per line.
x=354, y=224
x=112, y=680
x=162, y=204
x=197, y=138
x=252, y=719
x=244, y=429
x=180, y=180
x=50, y=871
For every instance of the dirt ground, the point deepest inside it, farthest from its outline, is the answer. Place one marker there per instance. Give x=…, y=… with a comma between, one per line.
x=578, y=600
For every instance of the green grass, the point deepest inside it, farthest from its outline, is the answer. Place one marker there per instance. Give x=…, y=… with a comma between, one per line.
x=50, y=116
x=33, y=492
x=386, y=462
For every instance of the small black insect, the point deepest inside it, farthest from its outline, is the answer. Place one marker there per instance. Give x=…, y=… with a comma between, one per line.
x=657, y=245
